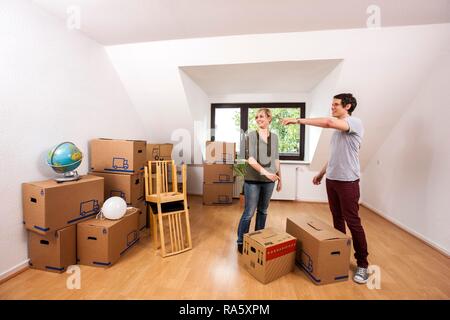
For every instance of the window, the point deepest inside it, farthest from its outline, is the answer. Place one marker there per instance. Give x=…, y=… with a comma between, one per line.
x=228, y=121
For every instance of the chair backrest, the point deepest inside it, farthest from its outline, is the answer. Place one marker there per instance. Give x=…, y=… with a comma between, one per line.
x=161, y=177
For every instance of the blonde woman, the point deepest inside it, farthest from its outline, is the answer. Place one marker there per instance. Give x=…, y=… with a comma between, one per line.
x=261, y=174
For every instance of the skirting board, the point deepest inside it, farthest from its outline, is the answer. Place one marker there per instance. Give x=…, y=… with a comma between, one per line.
x=408, y=230
x=14, y=271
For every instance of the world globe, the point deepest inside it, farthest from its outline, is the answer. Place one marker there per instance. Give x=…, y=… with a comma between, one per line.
x=64, y=158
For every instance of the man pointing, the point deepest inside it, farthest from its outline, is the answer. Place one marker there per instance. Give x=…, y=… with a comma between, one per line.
x=343, y=173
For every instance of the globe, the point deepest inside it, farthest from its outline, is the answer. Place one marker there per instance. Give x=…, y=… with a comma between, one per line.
x=65, y=158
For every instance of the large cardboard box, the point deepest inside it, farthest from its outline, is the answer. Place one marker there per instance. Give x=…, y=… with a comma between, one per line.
x=269, y=254
x=100, y=243
x=220, y=152
x=322, y=251
x=130, y=187
x=49, y=206
x=218, y=173
x=217, y=193
x=122, y=156
x=53, y=252
x=159, y=152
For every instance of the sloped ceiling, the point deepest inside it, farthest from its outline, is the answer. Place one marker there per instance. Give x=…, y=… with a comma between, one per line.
x=112, y=22
x=254, y=78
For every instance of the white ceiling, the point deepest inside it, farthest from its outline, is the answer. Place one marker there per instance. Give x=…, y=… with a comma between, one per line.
x=113, y=22
x=275, y=77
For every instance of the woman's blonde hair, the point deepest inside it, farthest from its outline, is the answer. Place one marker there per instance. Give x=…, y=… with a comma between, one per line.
x=267, y=112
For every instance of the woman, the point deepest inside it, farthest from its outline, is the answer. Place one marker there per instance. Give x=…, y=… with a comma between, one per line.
x=261, y=174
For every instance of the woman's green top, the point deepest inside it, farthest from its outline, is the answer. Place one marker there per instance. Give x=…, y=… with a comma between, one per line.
x=264, y=153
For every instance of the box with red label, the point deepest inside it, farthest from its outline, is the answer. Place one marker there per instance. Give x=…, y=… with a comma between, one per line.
x=269, y=254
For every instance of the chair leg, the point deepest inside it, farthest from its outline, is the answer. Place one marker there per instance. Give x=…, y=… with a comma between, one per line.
x=188, y=226
x=161, y=231
x=172, y=233
x=155, y=230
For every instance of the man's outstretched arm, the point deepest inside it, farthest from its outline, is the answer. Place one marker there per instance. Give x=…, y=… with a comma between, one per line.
x=332, y=123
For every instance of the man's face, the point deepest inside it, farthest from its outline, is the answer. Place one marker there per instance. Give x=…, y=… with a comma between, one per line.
x=337, y=109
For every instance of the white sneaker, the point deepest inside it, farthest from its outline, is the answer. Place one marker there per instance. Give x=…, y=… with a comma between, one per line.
x=361, y=275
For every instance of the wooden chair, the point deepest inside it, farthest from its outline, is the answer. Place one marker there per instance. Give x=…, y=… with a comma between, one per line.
x=163, y=196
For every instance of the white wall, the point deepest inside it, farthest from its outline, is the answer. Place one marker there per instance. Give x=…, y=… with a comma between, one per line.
x=55, y=85
x=321, y=97
x=199, y=108
x=408, y=179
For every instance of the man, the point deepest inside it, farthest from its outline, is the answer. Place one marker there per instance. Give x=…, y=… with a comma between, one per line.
x=343, y=173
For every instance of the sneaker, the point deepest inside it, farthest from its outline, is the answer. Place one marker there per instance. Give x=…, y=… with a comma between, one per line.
x=361, y=275
x=240, y=247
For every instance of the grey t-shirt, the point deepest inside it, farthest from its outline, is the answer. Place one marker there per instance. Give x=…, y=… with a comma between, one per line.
x=265, y=159
x=344, y=158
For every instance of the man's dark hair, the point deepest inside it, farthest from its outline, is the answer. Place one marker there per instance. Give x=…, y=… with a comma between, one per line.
x=347, y=98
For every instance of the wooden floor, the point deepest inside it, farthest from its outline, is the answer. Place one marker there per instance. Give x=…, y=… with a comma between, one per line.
x=212, y=270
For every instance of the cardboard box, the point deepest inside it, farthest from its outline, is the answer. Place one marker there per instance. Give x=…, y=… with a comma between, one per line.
x=100, y=243
x=142, y=206
x=158, y=152
x=129, y=187
x=220, y=152
x=53, y=252
x=322, y=251
x=217, y=193
x=268, y=254
x=218, y=173
x=122, y=156
x=49, y=206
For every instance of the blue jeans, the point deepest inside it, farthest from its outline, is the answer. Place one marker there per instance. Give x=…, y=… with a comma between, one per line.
x=257, y=197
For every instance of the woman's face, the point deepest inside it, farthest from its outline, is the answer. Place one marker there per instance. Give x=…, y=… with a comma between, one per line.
x=262, y=120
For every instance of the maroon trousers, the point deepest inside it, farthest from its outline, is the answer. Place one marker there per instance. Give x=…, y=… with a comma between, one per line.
x=343, y=198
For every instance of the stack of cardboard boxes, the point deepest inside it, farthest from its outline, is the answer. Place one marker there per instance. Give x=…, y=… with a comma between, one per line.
x=218, y=177
x=60, y=217
x=51, y=212
x=121, y=164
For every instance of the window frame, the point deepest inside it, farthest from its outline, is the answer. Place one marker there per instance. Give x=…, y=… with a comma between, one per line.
x=244, y=108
